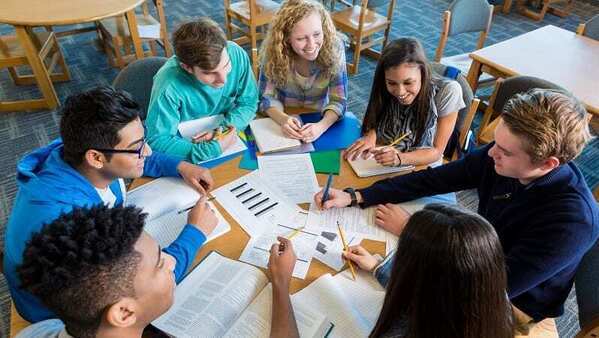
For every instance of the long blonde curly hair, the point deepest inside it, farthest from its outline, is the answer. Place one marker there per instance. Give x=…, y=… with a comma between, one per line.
x=277, y=55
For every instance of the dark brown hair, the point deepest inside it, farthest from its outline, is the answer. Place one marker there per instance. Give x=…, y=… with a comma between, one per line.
x=550, y=122
x=397, y=52
x=449, y=268
x=199, y=43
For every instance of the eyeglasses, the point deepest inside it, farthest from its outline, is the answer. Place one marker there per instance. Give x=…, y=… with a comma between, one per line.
x=139, y=151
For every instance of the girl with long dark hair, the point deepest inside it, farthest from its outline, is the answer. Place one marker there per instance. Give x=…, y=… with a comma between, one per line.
x=447, y=278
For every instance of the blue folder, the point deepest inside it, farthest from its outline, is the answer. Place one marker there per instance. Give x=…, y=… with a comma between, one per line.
x=339, y=136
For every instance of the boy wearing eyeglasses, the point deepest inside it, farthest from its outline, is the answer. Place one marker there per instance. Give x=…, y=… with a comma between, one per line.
x=102, y=142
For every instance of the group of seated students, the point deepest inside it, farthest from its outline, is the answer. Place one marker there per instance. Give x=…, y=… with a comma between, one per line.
x=79, y=264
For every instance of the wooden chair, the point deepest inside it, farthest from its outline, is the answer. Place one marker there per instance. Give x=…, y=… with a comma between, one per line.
x=13, y=55
x=590, y=28
x=466, y=16
x=254, y=14
x=465, y=115
x=544, y=5
x=116, y=39
x=504, y=90
x=361, y=23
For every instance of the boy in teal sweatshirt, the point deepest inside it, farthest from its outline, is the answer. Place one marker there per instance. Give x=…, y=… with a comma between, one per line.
x=207, y=76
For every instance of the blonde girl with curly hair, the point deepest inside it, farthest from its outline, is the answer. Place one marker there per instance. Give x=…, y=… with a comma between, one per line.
x=303, y=66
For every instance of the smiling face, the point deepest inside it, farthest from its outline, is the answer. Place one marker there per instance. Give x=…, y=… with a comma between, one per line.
x=306, y=37
x=404, y=82
x=510, y=158
x=128, y=165
x=216, y=77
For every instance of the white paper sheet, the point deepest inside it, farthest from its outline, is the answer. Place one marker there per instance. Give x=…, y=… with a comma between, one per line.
x=293, y=175
x=161, y=196
x=352, y=220
x=329, y=248
x=188, y=129
x=269, y=136
x=255, y=204
x=257, y=251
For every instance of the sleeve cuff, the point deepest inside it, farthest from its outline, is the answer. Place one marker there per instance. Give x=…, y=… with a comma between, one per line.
x=195, y=236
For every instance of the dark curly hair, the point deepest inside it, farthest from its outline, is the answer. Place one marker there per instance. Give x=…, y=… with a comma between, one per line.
x=83, y=262
x=93, y=119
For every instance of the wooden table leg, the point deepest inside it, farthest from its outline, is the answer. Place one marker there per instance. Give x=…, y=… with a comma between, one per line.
x=474, y=74
x=24, y=34
x=132, y=21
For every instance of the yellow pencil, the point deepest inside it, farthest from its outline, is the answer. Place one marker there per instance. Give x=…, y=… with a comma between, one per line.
x=295, y=232
x=346, y=248
x=397, y=140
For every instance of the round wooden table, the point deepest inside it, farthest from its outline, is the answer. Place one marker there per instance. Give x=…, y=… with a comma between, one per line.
x=26, y=14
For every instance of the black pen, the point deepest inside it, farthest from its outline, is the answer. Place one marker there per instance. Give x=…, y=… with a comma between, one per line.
x=191, y=207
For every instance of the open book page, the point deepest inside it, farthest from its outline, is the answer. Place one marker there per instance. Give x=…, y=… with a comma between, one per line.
x=255, y=204
x=352, y=220
x=162, y=195
x=352, y=306
x=370, y=167
x=293, y=175
x=211, y=297
x=188, y=129
x=269, y=136
x=256, y=320
x=166, y=228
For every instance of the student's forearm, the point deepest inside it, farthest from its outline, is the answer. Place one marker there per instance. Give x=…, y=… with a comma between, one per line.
x=329, y=118
x=277, y=115
x=423, y=156
x=283, y=323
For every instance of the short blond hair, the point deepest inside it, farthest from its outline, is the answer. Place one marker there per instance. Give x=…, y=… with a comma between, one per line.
x=550, y=122
x=276, y=52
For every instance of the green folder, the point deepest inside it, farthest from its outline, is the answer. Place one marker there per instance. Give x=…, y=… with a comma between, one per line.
x=324, y=161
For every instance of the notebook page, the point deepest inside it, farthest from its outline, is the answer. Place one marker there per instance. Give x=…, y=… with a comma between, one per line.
x=211, y=297
x=269, y=136
x=162, y=195
x=370, y=167
x=166, y=228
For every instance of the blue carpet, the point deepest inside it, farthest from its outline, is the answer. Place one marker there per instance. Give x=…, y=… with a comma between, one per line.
x=21, y=132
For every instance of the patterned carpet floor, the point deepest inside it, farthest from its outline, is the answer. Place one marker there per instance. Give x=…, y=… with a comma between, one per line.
x=21, y=132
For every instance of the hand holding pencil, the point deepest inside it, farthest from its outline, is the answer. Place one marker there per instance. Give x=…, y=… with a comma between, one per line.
x=345, y=248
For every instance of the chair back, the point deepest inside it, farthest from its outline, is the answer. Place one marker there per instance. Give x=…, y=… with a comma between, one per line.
x=518, y=84
x=458, y=138
x=591, y=28
x=372, y=4
x=470, y=16
x=586, y=283
x=137, y=79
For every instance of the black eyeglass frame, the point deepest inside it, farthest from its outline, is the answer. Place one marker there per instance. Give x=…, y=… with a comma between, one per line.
x=139, y=151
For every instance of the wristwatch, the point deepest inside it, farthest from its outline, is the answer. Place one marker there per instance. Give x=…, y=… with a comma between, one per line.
x=352, y=194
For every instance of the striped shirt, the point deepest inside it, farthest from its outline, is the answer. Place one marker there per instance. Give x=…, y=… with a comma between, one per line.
x=315, y=92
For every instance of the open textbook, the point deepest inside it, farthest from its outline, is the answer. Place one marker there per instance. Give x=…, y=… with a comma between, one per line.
x=352, y=306
x=222, y=297
x=165, y=200
x=188, y=129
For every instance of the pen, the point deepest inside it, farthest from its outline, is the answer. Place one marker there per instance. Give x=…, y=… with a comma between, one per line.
x=191, y=207
x=325, y=194
x=345, y=248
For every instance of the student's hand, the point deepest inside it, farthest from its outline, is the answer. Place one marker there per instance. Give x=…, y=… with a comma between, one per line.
x=292, y=128
x=391, y=217
x=361, y=257
x=202, y=137
x=197, y=177
x=361, y=147
x=202, y=216
x=227, y=139
x=386, y=156
x=281, y=263
x=312, y=131
x=337, y=199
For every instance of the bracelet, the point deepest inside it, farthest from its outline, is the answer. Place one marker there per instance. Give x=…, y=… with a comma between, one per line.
x=399, y=158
